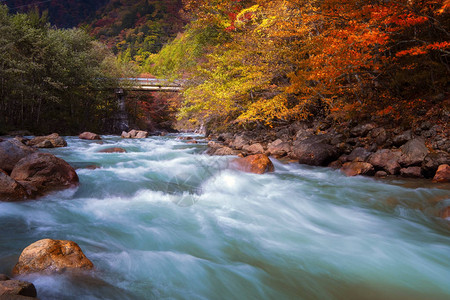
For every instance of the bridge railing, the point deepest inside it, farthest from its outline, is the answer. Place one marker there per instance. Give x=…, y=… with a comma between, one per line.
x=152, y=84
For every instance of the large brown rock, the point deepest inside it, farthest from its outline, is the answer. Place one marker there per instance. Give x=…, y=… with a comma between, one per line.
x=11, y=190
x=432, y=161
x=134, y=134
x=113, y=150
x=357, y=168
x=223, y=151
x=89, y=136
x=278, y=148
x=258, y=164
x=254, y=148
x=49, y=256
x=387, y=160
x=54, y=139
x=11, y=152
x=413, y=152
x=442, y=174
x=359, y=154
x=45, y=172
x=9, y=288
x=314, y=151
x=411, y=172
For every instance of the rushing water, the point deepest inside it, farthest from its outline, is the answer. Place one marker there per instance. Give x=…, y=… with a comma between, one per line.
x=164, y=221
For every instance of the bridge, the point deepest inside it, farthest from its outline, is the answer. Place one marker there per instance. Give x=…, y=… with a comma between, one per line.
x=152, y=84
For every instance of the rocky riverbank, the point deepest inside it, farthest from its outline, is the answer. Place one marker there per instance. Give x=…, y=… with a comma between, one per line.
x=421, y=151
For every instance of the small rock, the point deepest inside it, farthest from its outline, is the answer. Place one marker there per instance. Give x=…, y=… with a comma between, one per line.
x=254, y=148
x=54, y=138
x=239, y=142
x=442, y=174
x=362, y=130
x=141, y=134
x=402, y=138
x=113, y=150
x=192, y=142
x=125, y=135
x=381, y=174
x=10, y=287
x=380, y=135
x=411, y=172
x=223, y=151
x=258, y=164
x=278, y=148
x=432, y=161
x=357, y=168
x=49, y=256
x=89, y=136
x=359, y=154
x=314, y=151
x=337, y=164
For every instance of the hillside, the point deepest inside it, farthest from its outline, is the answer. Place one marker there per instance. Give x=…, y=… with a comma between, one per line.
x=135, y=29
x=62, y=13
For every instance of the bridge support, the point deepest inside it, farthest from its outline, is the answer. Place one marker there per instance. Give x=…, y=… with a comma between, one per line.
x=120, y=122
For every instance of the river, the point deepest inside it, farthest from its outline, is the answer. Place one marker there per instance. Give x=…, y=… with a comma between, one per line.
x=165, y=221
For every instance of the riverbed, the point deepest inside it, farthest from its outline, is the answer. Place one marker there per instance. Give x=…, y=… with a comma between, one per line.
x=166, y=221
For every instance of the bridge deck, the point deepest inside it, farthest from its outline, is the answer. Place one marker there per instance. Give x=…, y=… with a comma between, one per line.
x=153, y=84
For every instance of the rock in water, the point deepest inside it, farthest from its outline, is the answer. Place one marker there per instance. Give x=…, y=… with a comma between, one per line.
x=49, y=256
x=134, y=134
x=258, y=164
x=89, y=136
x=11, y=152
x=45, y=172
x=113, y=150
x=11, y=190
x=442, y=174
x=54, y=139
x=9, y=287
x=314, y=151
x=357, y=168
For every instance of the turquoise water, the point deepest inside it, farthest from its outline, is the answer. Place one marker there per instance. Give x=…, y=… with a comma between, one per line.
x=164, y=221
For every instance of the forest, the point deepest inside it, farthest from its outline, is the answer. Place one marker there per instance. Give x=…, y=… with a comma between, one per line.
x=53, y=79
x=246, y=62
x=259, y=62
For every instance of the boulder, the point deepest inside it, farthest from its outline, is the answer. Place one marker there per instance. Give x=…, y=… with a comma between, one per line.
x=413, y=152
x=11, y=152
x=402, y=138
x=54, y=139
x=239, y=142
x=411, y=172
x=432, y=161
x=223, y=151
x=11, y=190
x=357, y=168
x=362, y=130
x=387, y=160
x=359, y=154
x=113, y=150
x=141, y=134
x=192, y=142
x=278, y=148
x=49, y=256
x=380, y=135
x=258, y=164
x=9, y=288
x=89, y=136
x=45, y=172
x=314, y=151
x=254, y=148
x=134, y=134
x=442, y=174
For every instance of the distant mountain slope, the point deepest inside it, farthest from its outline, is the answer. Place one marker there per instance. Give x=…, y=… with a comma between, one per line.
x=134, y=29
x=62, y=13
